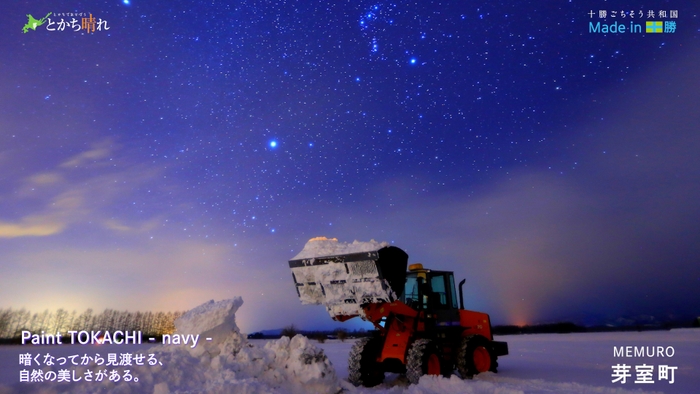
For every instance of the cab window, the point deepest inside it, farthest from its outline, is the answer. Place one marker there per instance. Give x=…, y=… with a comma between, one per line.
x=439, y=291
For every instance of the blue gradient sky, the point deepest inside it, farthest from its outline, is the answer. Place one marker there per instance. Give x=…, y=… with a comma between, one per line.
x=189, y=151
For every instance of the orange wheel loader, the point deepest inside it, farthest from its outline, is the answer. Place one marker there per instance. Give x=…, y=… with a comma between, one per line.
x=421, y=329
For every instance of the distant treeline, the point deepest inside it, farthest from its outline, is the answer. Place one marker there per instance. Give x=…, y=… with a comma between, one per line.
x=320, y=335
x=548, y=328
x=14, y=321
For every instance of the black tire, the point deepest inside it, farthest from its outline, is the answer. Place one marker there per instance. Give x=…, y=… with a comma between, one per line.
x=475, y=356
x=363, y=368
x=424, y=359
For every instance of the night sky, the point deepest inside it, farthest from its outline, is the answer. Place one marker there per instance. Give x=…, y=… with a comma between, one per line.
x=188, y=152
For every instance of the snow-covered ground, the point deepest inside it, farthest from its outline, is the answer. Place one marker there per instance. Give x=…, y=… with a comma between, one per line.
x=545, y=363
x=559, y=363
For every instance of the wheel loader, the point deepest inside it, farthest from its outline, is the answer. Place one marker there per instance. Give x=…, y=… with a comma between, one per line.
x=421, y=330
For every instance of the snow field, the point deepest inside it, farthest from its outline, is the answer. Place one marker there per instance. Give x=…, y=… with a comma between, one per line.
x=229, y=363
x=556, y=363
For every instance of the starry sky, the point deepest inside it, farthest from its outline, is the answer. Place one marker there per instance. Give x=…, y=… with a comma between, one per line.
x=190, y=150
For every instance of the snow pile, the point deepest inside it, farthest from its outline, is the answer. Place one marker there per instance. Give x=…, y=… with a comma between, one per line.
x=323, y=247
x=227, y=363
x=215, y=320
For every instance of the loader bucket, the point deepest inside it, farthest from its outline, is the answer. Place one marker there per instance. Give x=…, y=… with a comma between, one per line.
x=345, y=282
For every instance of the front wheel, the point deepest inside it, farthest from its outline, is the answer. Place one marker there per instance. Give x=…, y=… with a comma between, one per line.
x=424, y=359
x=475, y=357
x=363, y=368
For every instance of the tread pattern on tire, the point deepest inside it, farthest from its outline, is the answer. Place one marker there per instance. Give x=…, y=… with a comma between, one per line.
x=416, y=362
x=465, y=360
x=363, y=369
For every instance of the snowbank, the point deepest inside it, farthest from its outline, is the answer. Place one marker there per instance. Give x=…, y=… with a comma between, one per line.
x=323, y=247
x=215, y=320
x=227, y=363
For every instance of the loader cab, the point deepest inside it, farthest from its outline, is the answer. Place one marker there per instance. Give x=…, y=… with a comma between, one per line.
x=429, y=290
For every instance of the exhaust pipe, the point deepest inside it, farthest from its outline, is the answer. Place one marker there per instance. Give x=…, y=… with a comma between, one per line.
x=461, y=297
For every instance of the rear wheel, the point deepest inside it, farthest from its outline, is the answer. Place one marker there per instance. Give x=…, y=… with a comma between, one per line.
x=475, y=357
x=424, y=359
x=363, y=368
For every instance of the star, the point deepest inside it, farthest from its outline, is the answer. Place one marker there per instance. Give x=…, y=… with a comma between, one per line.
x=389, y=113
